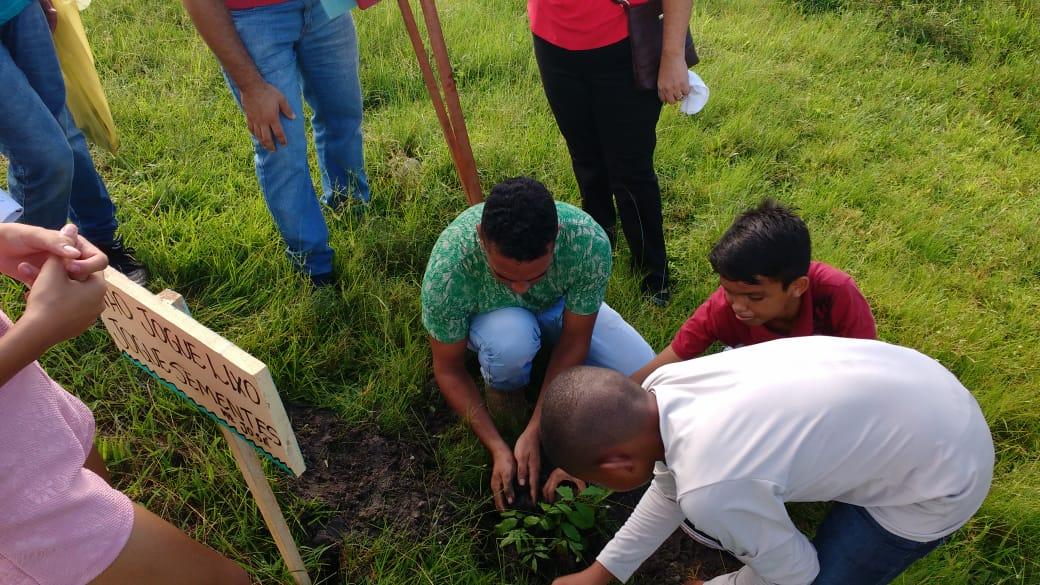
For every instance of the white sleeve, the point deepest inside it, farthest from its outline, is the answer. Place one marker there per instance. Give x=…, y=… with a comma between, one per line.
x=653, y=520
x=749, y=519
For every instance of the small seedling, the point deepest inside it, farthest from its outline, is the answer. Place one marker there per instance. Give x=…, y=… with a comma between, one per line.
x=560, y=529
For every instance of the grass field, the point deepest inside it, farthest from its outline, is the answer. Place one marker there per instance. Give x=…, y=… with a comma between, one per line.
x=907, y=132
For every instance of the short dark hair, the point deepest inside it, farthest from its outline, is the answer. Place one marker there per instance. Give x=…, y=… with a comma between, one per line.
x=768, y=241
x=519, y=218
x=585, y=412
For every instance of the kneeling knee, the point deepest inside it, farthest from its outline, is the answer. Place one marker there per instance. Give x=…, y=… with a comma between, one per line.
x=507, y=365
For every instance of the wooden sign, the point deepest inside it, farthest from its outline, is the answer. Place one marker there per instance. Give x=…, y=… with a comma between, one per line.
x=217, y=377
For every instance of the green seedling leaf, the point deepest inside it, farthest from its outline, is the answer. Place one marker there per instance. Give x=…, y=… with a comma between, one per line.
x=571, y=532
x=544, y=524
x=531, y=521
x=594, y=491
x=508, y=540
x=545, y=507
x=584, y=516
x=565, y=492
x=564, y=507
x=506, y=525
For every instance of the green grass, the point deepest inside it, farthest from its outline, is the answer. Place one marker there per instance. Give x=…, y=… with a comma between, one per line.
x=906, y=132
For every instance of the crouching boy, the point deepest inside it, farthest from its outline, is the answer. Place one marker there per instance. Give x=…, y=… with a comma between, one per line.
x=886, y=433
x=769, y=289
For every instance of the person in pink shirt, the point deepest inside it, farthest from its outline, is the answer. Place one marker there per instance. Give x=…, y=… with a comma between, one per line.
x=769, y=289
x=61, y=523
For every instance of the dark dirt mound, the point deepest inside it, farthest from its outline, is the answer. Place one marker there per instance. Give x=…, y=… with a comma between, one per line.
x=678, y=559
x=374, y=482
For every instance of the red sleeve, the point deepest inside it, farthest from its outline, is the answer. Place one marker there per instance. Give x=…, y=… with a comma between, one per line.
x=850, y=313
x=700, y=330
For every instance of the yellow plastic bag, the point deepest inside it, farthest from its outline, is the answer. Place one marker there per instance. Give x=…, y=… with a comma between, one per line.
x=85, y=97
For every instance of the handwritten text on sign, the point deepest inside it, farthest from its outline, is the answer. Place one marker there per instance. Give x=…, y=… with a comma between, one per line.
x=221, y=379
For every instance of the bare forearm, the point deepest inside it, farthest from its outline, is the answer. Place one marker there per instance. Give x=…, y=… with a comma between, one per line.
x=214, y=24
x=667, y=356
x=676, y=24
x=19, y=347
x=463, y=397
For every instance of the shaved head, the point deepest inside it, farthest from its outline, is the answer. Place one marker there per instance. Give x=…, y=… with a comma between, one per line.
x=589, y=411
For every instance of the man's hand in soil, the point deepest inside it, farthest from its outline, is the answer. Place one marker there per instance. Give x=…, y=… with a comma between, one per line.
x=502, y=477
x=596, y=574
x=528, y=460
x=557, y=477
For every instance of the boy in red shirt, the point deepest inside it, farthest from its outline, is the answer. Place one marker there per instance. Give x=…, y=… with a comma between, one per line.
x=770, y=289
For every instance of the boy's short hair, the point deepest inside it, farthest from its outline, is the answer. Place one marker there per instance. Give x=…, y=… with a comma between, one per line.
x=586, y=411
x=768, y=241
x=519, y=218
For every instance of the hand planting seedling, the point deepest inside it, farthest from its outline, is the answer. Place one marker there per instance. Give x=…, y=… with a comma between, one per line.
x=555, y=532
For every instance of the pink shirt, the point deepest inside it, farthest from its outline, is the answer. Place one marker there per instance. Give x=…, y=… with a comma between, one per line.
x=578, y=25
x=59, y=523
x=833, y=306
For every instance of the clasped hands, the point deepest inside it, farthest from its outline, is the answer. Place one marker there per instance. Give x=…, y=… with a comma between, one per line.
x=63, y=272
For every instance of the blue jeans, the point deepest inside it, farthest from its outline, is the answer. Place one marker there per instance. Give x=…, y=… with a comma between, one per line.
x=507, y=340
x=50, y=167
x=298, y=50
x=853, y=549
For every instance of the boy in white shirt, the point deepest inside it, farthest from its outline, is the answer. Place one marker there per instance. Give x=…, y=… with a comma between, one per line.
x=885, y=432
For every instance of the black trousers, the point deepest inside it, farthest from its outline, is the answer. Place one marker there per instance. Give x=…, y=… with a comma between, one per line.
x=611, y=132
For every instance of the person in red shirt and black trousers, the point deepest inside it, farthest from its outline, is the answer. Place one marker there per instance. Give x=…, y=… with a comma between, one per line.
x=770, y=289
x=585, y=61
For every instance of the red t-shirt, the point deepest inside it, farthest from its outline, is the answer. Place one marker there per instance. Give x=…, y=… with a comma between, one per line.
x=246, y=4
x=579, y=25
x=831, y=306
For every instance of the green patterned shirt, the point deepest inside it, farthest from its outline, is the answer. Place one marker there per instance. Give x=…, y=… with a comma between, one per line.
x=458, y=283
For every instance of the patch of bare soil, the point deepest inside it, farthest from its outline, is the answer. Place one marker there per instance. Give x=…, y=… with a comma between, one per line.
x=679, y=559
x=373, y=482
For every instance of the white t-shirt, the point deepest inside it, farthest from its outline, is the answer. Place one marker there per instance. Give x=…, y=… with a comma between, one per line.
x=806, y=419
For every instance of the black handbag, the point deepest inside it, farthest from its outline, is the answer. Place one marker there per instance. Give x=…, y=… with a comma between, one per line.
x=646, y=36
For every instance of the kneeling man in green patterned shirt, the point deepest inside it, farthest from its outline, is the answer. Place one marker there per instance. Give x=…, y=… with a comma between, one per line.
x=506, y=275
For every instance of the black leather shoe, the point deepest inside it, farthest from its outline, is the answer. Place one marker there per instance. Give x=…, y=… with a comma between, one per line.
x=121, y=257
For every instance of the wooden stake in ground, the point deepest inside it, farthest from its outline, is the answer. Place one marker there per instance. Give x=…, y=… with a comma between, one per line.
x=219, y=379
x=448, y=107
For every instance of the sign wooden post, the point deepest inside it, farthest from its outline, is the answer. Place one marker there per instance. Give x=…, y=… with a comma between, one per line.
x=448, y=107
x=219, y=379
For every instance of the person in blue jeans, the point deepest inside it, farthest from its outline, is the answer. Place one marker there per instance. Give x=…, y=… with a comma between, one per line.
x=886, y=433
x=275, y=54
x=50, y=170
x=507, y=276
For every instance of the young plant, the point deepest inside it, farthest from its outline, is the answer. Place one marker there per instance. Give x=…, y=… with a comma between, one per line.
x=560, y=529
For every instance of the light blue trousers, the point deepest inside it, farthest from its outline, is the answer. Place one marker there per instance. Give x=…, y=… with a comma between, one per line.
x=507, y=340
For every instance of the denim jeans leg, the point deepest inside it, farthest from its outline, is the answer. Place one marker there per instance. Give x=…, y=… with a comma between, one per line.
x=506, y=342
x=328, y=61
x=853, y=549
x=40, y=159
x=270, y=35
x=615, y=343
x=90, y=206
